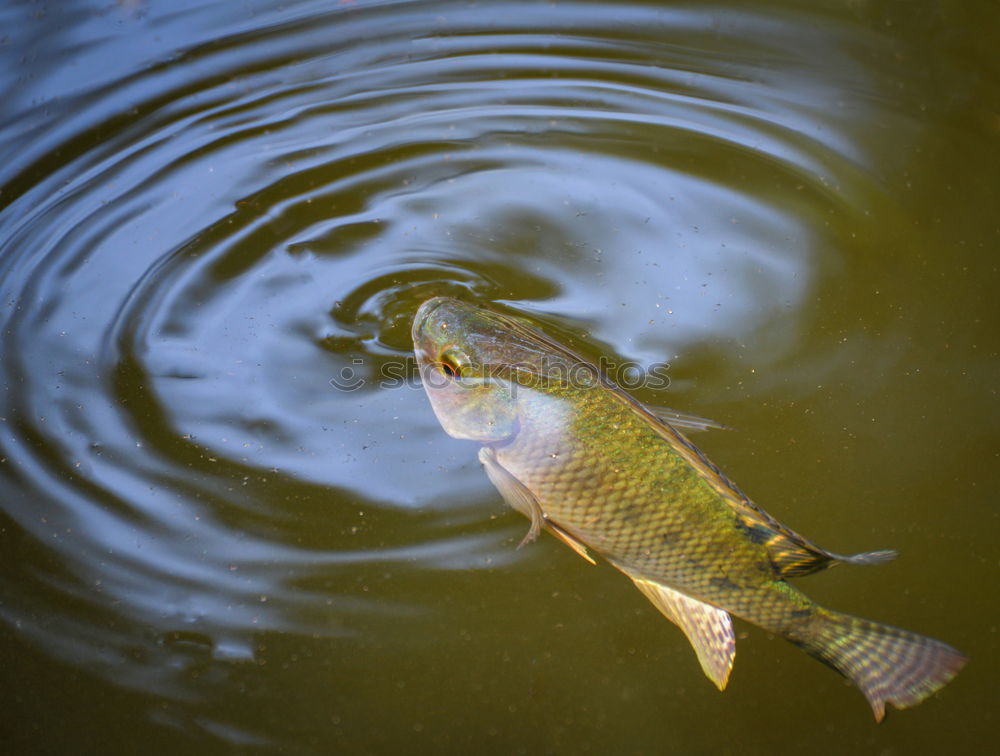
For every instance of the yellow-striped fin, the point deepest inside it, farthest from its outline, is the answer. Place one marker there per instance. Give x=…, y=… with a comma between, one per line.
x=709, y=629
x=792, y=555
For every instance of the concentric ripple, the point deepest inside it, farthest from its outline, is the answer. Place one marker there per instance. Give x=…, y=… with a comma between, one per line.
x=210, y=253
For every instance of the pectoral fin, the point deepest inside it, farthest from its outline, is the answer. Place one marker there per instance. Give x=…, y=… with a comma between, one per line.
x=710, y=630
x=514, y=492
x=517, y=495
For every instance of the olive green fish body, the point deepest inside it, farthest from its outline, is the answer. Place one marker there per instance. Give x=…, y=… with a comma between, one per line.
x=605, y=475
x=600, y=472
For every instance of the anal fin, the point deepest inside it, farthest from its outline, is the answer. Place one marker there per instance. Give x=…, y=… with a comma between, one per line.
x=709, y=629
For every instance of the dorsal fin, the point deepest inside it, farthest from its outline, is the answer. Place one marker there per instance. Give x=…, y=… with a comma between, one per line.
x=684, y=420
x=791, y=554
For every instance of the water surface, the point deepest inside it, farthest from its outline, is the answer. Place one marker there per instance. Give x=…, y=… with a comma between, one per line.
x=214, y=216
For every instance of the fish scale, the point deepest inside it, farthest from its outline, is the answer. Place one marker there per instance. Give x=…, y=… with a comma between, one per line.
x=633, y=520
x=585, y=461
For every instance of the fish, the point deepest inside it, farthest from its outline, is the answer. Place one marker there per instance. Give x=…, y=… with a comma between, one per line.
x=608, y=476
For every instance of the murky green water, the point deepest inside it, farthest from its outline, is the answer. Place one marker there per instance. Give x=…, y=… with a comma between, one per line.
x=211, y=210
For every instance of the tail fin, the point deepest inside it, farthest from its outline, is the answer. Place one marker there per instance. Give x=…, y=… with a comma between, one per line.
x=889, y=665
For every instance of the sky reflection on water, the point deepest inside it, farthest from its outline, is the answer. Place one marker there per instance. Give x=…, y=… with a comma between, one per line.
x=211, y=210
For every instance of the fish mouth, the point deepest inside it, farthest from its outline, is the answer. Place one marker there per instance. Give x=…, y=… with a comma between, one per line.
x=421, y=332
x=450, y=314
x=424, y=312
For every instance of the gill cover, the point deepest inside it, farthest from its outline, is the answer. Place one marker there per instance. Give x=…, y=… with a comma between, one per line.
x=469, y=402
x=470, y=407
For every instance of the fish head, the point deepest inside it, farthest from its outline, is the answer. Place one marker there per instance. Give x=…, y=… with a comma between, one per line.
x=478, y=366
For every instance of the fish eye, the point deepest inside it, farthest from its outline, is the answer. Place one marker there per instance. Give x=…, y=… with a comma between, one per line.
x=451, y=363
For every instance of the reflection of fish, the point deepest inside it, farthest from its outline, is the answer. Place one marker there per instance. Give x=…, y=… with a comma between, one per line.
x=588, y=463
